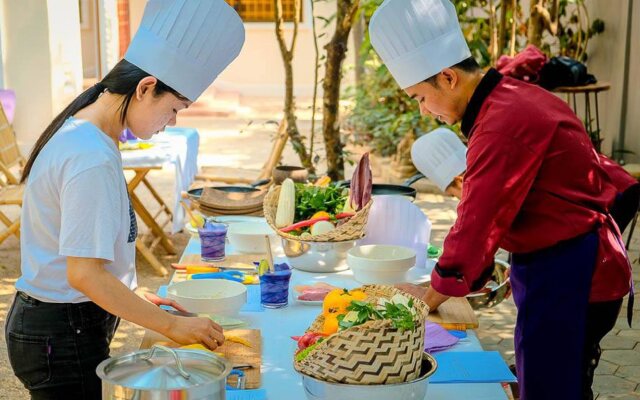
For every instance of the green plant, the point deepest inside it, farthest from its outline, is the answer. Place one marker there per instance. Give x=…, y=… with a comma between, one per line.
x=382, y=114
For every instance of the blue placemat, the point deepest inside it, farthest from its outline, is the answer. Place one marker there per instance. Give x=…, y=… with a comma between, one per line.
x=471, y=367
x=247, y=394
x=252, y=305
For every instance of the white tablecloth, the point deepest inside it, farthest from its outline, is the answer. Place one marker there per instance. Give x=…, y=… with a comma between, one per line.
x=175, y=146
x=280, y=380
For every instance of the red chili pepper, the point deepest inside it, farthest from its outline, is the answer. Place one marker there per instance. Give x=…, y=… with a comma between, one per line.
x=303, y=224
x=345, y=215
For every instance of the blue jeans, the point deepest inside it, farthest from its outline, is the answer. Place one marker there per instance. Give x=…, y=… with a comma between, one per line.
x=54, y=348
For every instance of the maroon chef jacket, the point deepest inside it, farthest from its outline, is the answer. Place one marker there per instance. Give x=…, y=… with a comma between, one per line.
x=533, y=179
x=620, y=178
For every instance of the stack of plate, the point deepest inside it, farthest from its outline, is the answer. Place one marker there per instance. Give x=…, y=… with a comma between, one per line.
x=214, y=202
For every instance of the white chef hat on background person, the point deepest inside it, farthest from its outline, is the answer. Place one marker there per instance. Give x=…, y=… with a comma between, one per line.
x=440, y=155
x=186, y=43
x=416, y=39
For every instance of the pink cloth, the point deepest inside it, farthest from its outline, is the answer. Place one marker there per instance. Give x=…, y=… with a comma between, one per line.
x=8, y=101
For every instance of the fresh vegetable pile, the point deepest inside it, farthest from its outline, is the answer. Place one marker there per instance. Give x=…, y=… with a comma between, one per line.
x=310, y=210
x=343, y=309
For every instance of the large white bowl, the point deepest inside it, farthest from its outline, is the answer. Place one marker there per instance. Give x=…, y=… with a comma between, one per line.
x=248, y=237
x=381, y=264
x=209, y=296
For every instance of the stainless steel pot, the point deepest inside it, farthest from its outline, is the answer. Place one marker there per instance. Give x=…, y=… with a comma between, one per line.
x=163, y=373
x=316, y=389
x=495, y=291
x=317, y=256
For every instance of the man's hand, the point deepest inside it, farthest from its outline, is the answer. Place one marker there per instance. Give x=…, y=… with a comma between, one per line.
x=426, y=294
x=414, y=290
x=433, y=298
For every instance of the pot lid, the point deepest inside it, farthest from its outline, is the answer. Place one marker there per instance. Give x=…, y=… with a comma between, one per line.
x=163, y=368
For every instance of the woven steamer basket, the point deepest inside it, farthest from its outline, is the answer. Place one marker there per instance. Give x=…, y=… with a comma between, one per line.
x=351, y=230
x=369, y=354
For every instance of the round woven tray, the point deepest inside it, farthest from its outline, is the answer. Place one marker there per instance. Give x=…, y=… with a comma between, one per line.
x=231, y=201
x=353, y=229
x=369, y=354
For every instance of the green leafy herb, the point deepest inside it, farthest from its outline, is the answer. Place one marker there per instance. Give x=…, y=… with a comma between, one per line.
x=311, y=199
x=400, y=315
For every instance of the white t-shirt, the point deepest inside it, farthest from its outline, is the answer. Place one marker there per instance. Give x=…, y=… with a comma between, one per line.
x=75, y=204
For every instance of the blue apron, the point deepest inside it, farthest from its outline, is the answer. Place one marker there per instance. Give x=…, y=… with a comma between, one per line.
x=551, y=290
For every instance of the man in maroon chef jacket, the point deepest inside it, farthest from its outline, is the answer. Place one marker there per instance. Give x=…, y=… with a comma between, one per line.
x=534, y=186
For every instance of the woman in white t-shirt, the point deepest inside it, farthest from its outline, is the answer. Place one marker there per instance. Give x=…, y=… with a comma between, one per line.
x=78, y=226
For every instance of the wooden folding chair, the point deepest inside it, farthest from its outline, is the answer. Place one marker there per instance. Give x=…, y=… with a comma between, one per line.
x=10, y=188
x=212, y=174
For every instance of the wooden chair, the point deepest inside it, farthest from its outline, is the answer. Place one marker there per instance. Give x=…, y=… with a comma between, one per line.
x=212, y=174
x=11, y=190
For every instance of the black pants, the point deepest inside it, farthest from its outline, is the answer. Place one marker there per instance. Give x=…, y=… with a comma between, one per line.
x=626, y=206
x=601, y=318
x=54, y=348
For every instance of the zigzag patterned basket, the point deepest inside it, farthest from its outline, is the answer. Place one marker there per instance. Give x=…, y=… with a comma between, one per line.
x=369, y=354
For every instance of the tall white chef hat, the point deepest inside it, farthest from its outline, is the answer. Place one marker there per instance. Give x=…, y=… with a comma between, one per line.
x=186, y=43
x=417, y=39
x=440, y=155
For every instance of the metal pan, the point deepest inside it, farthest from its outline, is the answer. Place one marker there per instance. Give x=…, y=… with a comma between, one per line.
x=194, y=194
x=385, y=189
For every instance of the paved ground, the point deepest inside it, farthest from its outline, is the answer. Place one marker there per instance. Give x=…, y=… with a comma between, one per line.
x=244, y=142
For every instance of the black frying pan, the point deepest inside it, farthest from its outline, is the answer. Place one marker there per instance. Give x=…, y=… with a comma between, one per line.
x=194, y=194
x=380, y=189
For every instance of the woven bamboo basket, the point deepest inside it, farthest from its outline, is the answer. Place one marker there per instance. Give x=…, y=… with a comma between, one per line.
x=369, y=354
x=353, y=229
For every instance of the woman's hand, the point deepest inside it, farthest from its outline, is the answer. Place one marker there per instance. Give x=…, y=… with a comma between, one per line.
x=160, y=301
x=191, y=330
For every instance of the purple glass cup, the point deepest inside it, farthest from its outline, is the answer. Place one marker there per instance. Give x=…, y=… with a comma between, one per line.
x=274, y=287
x=212, y=241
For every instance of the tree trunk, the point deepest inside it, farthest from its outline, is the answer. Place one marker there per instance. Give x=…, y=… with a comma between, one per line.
x=542, y=18
x=289, y=100
x=505, y=5
x=493, y=28
x=536, y=23
x=336, y=52
x=358, y=38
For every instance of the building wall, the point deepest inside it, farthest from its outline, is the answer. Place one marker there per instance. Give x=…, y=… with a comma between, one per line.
x=42, y=61
x=90, y=48
x=606, y=62
x=2, y=39
x=258, y=70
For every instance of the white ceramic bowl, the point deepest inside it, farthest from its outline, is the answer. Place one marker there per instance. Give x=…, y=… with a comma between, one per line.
x=381, y=264
x=248, y=237
x=209, y=296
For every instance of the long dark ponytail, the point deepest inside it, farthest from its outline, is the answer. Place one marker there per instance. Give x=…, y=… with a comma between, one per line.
x=122, y=79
